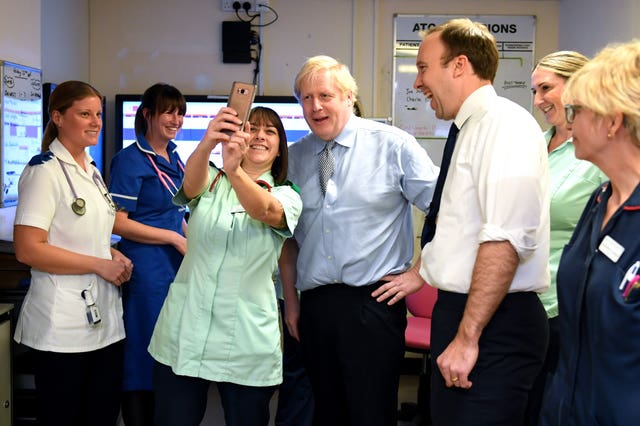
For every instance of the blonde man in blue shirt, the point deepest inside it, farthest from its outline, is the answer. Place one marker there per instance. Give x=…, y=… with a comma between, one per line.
x=355, y=235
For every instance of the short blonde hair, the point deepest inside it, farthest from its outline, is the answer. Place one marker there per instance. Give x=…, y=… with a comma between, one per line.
x=563, y=63
x=610, y=83
x=317, y=64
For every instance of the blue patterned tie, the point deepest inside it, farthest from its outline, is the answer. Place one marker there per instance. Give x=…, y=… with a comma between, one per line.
x=326, y=165
x=429, y=228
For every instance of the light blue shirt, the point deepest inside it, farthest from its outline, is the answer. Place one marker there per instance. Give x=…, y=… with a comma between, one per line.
x=362, y=229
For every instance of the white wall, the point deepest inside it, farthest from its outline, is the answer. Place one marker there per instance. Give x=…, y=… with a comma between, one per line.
x=16, y=44
x=65, y=40
x=135, y=43
x=588, y=25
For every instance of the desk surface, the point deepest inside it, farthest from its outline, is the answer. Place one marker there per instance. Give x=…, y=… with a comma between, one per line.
x=5, y=307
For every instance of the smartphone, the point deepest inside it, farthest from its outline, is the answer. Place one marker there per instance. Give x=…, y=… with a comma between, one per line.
x=240, y=99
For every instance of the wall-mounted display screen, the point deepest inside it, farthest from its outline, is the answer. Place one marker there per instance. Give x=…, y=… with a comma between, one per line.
x=20, y=124
x=200, y=110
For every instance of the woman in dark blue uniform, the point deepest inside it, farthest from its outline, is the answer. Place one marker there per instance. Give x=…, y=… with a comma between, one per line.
x=596, y=380
x=144, y=177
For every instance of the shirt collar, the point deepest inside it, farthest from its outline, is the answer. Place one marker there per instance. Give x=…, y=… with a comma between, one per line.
x=476, y=100
x=549, y=134
x=632, y=203
x=345, y=138
x=143, y=145
x=61, y=152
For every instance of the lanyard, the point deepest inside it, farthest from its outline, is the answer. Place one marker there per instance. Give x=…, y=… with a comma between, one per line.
x=164, y=178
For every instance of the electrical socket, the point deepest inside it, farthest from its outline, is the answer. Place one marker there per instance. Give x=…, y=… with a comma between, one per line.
x=227, y=5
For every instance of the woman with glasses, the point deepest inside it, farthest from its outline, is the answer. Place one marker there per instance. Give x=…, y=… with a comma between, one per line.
x=595, y=381
x=144, y=178
x=72, y=314
x=571, y=183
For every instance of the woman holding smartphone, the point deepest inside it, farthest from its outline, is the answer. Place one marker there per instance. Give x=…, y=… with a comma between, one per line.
x=219, y=322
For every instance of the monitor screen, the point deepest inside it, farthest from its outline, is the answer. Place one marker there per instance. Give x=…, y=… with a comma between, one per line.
x=200, y=110
x=97, y=151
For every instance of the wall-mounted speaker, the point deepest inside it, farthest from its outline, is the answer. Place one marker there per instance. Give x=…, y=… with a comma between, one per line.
x=236, y=42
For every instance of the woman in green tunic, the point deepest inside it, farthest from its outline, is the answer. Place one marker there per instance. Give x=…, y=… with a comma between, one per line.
x=219, y=322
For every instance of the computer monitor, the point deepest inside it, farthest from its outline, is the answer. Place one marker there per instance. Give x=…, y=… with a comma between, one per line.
x=97, y=151
x=200, y=110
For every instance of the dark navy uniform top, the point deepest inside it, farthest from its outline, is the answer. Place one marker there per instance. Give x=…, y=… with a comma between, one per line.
x=597, y=381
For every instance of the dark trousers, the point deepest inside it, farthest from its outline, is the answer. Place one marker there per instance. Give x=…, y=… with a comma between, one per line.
x=353, y=348
x=79, y=389
x=137, y=408
x=295, y=398
x=512, y=349
x=548, y=368
x=182, y=400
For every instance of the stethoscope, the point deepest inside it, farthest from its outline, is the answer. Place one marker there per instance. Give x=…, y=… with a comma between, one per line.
x=164, y=178
x=79, y=205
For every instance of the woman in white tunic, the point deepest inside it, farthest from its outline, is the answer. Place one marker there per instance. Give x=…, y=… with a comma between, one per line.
x=219, y=322
x=72, y=314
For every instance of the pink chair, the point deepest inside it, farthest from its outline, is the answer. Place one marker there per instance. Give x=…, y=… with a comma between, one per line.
x=418, y=339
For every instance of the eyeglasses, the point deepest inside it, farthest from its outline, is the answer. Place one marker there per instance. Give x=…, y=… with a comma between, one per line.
x=570, y=112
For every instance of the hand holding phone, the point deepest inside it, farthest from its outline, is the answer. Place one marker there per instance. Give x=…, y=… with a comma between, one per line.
x=240, y=99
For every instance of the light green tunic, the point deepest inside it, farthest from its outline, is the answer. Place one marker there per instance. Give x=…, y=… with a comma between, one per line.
x=220, y=319
x=572, y=183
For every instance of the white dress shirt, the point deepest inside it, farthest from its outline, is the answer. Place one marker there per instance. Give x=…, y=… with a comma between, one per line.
x=497, y=189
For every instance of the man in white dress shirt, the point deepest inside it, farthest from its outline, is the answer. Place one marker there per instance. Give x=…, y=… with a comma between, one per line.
x=488, y=257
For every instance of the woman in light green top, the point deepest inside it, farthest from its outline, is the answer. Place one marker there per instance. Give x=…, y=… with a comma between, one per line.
x=572, y=181
x=219, y=322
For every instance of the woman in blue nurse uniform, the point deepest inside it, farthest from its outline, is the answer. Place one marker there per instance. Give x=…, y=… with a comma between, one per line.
x=144, y=178
x=596, y=380
x=219, y=322
x=72, y=314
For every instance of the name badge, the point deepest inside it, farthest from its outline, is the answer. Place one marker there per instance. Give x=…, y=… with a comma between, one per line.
x=611, y=248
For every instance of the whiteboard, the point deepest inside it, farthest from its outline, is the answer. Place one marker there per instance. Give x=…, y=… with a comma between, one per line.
x=515, y=36
x=21, y=118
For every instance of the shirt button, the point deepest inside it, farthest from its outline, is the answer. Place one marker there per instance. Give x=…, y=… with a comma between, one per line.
x=329, y=257
x=327, y=231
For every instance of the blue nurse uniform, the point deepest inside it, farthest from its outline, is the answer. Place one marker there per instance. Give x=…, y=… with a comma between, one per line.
x=139, y=188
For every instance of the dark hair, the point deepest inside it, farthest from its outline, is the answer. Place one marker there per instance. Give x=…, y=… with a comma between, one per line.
x=266, y=116
x=61, y=99
x=158, y=99
x=463, y=37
